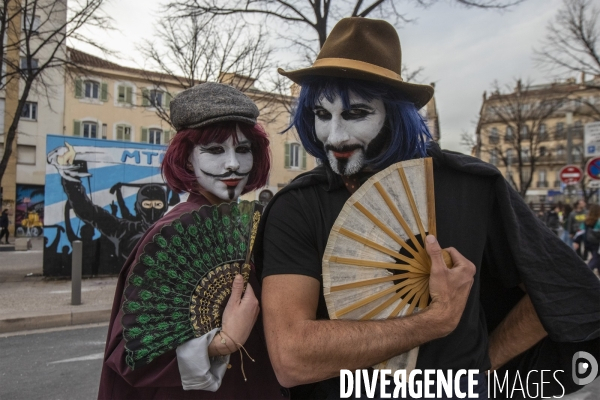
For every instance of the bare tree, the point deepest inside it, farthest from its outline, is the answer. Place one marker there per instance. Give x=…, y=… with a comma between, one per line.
x=522, y=113
x=571, y=42
x=197, y=49
x=313, y=16
x=36, y=33
x=571, y=46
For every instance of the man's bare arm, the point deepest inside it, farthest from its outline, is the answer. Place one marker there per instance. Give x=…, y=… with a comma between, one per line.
x=518, y=332
x=304, y=350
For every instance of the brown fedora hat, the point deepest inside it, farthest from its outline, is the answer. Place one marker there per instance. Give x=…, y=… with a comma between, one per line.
x=363, y=48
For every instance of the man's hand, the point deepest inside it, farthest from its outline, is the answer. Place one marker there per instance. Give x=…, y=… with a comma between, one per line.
x=449, y=288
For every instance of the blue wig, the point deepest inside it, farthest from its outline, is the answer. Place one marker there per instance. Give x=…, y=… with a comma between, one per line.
x=408, y=132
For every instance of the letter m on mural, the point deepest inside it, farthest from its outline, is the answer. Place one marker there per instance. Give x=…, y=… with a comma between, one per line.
x=106, y=194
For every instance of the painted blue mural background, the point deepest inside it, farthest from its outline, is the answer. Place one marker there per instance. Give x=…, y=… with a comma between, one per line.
x=113, y=166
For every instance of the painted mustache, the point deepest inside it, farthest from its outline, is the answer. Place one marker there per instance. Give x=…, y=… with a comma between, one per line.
x=344, y=151
x=227, y=174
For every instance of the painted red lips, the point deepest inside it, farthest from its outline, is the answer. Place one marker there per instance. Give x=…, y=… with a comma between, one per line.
x=231, y=182
x=345, y=154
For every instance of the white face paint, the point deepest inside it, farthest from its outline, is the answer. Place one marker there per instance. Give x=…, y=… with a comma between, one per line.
x=346, y=134
x=223, y=168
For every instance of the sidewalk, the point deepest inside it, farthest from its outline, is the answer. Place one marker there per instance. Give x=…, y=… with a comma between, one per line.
x=29, y=301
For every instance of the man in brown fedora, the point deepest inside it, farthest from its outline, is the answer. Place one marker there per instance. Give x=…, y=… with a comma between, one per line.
x=509, y=276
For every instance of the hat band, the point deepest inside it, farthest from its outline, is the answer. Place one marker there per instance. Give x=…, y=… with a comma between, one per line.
x=358, y=65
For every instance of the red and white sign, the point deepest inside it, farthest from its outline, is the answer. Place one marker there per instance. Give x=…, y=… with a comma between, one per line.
x=571, y=174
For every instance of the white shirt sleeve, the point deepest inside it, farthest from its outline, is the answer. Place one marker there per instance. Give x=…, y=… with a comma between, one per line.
x=199, y=371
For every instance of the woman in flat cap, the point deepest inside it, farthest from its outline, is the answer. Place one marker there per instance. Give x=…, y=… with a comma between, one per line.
x=218, y=153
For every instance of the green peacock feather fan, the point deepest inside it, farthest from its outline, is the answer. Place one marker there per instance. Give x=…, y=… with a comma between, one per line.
x=181, y=283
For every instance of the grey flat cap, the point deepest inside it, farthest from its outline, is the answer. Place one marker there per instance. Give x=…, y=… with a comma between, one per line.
x=209, y=103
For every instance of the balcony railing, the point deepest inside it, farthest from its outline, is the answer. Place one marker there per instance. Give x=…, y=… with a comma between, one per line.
x=542, y=184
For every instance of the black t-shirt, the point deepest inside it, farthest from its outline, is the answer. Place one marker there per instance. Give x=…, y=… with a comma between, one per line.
x=298, y=227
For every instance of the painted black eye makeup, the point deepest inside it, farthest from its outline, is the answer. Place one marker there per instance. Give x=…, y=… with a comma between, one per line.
x=244, y=149
x=322, y=113
x=212, y=149
x=358, y=111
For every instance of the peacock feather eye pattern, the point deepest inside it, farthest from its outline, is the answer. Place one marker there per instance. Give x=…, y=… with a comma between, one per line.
x=181, y=282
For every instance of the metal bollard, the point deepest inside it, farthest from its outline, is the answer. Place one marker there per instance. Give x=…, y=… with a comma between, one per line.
x=77, y=256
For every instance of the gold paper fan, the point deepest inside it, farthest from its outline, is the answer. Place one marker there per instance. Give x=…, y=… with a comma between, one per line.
x=375, y=265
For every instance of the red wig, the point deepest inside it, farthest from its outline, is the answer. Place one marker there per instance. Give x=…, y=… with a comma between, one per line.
x=175, y=164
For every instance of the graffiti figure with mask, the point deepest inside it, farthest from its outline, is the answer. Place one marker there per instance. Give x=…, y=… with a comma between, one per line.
x=123, y=232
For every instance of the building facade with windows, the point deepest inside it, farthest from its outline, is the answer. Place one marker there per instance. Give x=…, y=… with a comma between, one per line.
x=107, y=101
x=533, y=132
x=24, y=179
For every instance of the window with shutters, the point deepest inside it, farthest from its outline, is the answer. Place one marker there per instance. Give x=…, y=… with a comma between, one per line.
x=90, y=129
x=125, y=94
x=29, y=111
x=153, y=136
x=156, y=98
x=295, y=156
x=123, y=132
x=91, y=90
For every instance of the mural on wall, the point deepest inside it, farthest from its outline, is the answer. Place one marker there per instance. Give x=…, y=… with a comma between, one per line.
x=106, y=194
x=29, y=211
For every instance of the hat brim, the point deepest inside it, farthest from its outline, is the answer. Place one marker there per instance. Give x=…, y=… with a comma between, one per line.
x=419, y=95
x=222, y=118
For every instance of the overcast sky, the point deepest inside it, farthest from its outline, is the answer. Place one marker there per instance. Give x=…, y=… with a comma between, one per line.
x=462, y=50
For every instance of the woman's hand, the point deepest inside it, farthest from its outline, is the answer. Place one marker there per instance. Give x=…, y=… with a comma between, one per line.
x=238, y=318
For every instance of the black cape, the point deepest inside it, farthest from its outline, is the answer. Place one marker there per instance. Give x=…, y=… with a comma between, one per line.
x=563, y=290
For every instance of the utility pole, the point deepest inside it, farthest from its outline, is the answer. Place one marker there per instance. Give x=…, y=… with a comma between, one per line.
x=569, y=120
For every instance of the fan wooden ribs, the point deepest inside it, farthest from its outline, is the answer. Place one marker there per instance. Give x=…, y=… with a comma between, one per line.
x=375, y=265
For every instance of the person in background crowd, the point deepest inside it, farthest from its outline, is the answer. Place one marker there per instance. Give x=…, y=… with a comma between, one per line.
x=4, y=225
x=576, y=218
x=576, y=227
x=592, y=236
x=553, y=219
x=566, y=211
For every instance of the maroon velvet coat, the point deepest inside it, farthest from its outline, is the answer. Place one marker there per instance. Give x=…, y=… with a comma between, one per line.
x=160, y=379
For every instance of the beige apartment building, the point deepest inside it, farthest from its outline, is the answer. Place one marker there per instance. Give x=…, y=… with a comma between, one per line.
x=24, y=178
x=540, y=125
x=108, y=101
